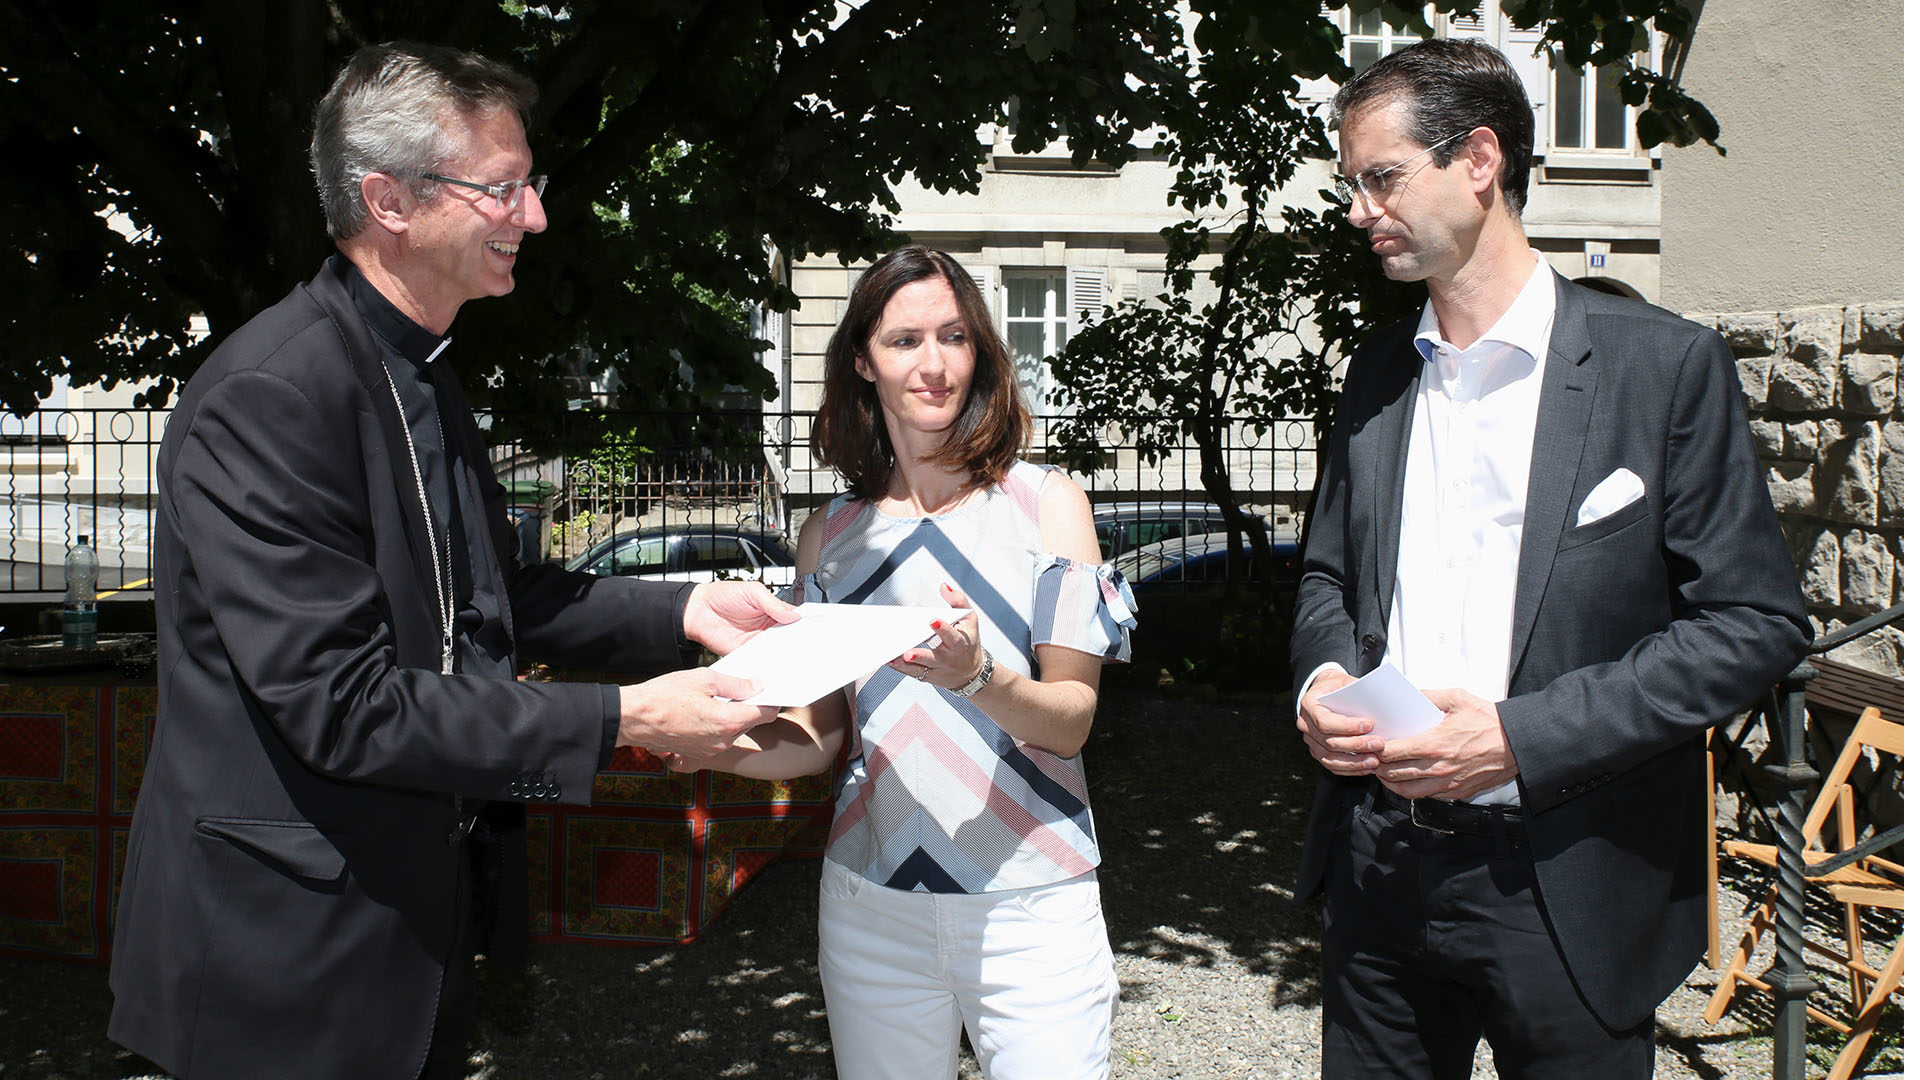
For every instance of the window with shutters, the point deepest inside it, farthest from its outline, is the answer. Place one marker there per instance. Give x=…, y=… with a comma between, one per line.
x=1040, y=310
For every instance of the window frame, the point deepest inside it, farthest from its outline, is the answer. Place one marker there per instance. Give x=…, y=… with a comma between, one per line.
x=1590, y=90
x=1056, y=323
x=1389, y=38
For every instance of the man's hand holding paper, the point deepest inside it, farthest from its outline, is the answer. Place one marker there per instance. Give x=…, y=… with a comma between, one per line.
x=1344, y=744
x=1420, y=743
x=693, y=712
x=1349, y=722
x=1463, y=755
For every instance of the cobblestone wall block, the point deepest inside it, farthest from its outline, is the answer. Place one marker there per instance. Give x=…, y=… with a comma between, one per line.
x=1755, y=333
x=1756, y=374
x=1868, y=383
x=1882, y=329
x=1847, y=483
x=1866, y=573
x=1769, y=441
x=1883, y=650
x=1790, y=483
x=1800, y=441
x=1893, y=473
x=1806, y=369
x=1817, y=553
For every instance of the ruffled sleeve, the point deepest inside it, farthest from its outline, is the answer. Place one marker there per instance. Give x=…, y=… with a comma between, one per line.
x=1083, y=607
x=806, y=590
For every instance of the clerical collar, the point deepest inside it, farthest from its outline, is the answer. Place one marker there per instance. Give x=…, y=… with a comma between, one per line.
x=408, y=338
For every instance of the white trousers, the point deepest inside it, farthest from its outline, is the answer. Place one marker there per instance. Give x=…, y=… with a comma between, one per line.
x=1029, y=971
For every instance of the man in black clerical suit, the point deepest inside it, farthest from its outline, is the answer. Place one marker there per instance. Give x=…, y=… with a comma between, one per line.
x=339, y=617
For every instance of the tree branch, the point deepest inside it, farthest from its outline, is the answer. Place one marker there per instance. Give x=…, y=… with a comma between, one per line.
x=166, y=175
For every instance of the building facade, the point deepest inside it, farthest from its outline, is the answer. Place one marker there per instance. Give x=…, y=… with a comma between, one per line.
x=1049, y=242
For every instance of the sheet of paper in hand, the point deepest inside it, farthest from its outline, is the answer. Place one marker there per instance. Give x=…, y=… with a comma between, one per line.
x=829, y=646
x=1384, y=696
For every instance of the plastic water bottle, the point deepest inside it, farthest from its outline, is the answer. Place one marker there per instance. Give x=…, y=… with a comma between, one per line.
x=79, y=617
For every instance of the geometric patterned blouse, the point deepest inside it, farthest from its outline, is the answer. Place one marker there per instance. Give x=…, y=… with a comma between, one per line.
x=936, y=797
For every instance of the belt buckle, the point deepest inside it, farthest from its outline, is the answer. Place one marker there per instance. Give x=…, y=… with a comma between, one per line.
x=1413, y=811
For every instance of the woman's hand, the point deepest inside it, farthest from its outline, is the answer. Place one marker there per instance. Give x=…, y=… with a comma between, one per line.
x=955, y=655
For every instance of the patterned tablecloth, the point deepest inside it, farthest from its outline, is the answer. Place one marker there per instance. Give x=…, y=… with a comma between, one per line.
x=652, y=861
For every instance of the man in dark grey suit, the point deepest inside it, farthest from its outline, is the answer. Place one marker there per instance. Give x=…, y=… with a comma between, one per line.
x=339, y=621
x=1541, y=504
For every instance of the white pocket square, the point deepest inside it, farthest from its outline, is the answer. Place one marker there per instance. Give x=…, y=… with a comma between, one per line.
x=1617, y=492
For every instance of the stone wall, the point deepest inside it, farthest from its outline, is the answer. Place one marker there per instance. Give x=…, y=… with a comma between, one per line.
x=1824, y=396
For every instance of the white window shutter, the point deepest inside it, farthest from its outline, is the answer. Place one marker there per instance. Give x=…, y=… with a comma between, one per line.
x=1469, y=24
x=1086, y=294
x=1535, y=74
x=979, y=274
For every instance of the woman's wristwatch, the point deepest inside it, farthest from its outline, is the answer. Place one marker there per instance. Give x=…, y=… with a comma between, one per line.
x=973, y=686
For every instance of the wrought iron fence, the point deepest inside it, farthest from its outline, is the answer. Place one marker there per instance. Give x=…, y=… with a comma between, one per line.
x=74, y=472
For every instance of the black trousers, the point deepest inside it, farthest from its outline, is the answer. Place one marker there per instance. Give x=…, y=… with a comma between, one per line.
x=1434, y=941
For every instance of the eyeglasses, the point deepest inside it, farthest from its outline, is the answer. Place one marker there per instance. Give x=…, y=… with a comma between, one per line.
x=1373, y=183
x=509, y=193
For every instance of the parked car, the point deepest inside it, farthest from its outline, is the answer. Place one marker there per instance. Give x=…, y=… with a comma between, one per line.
x=691, y=553
x=1124, y=526
x=1189, y=559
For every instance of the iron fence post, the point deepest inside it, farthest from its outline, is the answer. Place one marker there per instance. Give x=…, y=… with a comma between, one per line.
x=1787, y=976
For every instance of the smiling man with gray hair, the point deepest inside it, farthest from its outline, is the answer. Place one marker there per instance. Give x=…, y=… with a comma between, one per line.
x=340, y=620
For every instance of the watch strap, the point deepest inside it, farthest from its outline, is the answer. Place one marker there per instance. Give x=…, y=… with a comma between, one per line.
x=980, y=679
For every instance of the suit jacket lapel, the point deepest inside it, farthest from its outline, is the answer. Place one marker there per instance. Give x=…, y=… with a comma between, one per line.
x=1386, y=457
x=363, y=356
x=1559, y=438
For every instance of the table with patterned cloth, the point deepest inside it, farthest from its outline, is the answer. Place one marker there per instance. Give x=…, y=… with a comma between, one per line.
x=652, y=861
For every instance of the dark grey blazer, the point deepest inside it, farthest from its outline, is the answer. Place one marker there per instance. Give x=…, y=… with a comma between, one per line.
x=1631, y=634
x=289, y=897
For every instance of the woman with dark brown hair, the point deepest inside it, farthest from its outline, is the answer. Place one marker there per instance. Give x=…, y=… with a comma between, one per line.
x=959, y=885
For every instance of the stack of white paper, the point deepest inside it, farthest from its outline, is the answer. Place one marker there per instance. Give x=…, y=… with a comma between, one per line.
x=829, y=646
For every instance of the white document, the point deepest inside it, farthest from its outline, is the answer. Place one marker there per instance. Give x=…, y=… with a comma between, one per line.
x=1610, y=496
x=829, y=646
x=1384, y=696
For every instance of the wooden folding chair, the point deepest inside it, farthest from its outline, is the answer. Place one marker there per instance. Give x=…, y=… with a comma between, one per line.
x=1870, y=881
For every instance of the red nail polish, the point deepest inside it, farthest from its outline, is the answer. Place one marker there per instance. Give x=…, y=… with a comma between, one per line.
x=935, y=624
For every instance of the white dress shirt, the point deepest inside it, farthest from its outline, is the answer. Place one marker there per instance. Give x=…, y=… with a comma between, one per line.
x=1468, y=463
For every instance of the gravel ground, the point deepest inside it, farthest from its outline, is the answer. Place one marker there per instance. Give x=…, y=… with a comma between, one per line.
x=1200, y=805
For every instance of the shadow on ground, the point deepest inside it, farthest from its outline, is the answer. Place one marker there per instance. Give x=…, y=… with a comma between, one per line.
x=1200, y=807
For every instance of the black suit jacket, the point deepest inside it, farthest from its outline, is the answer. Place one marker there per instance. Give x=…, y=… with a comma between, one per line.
x=289, y=899
x=1631, y=634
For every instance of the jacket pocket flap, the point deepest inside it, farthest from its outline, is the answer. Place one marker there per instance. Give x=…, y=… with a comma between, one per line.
x=296, y=845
